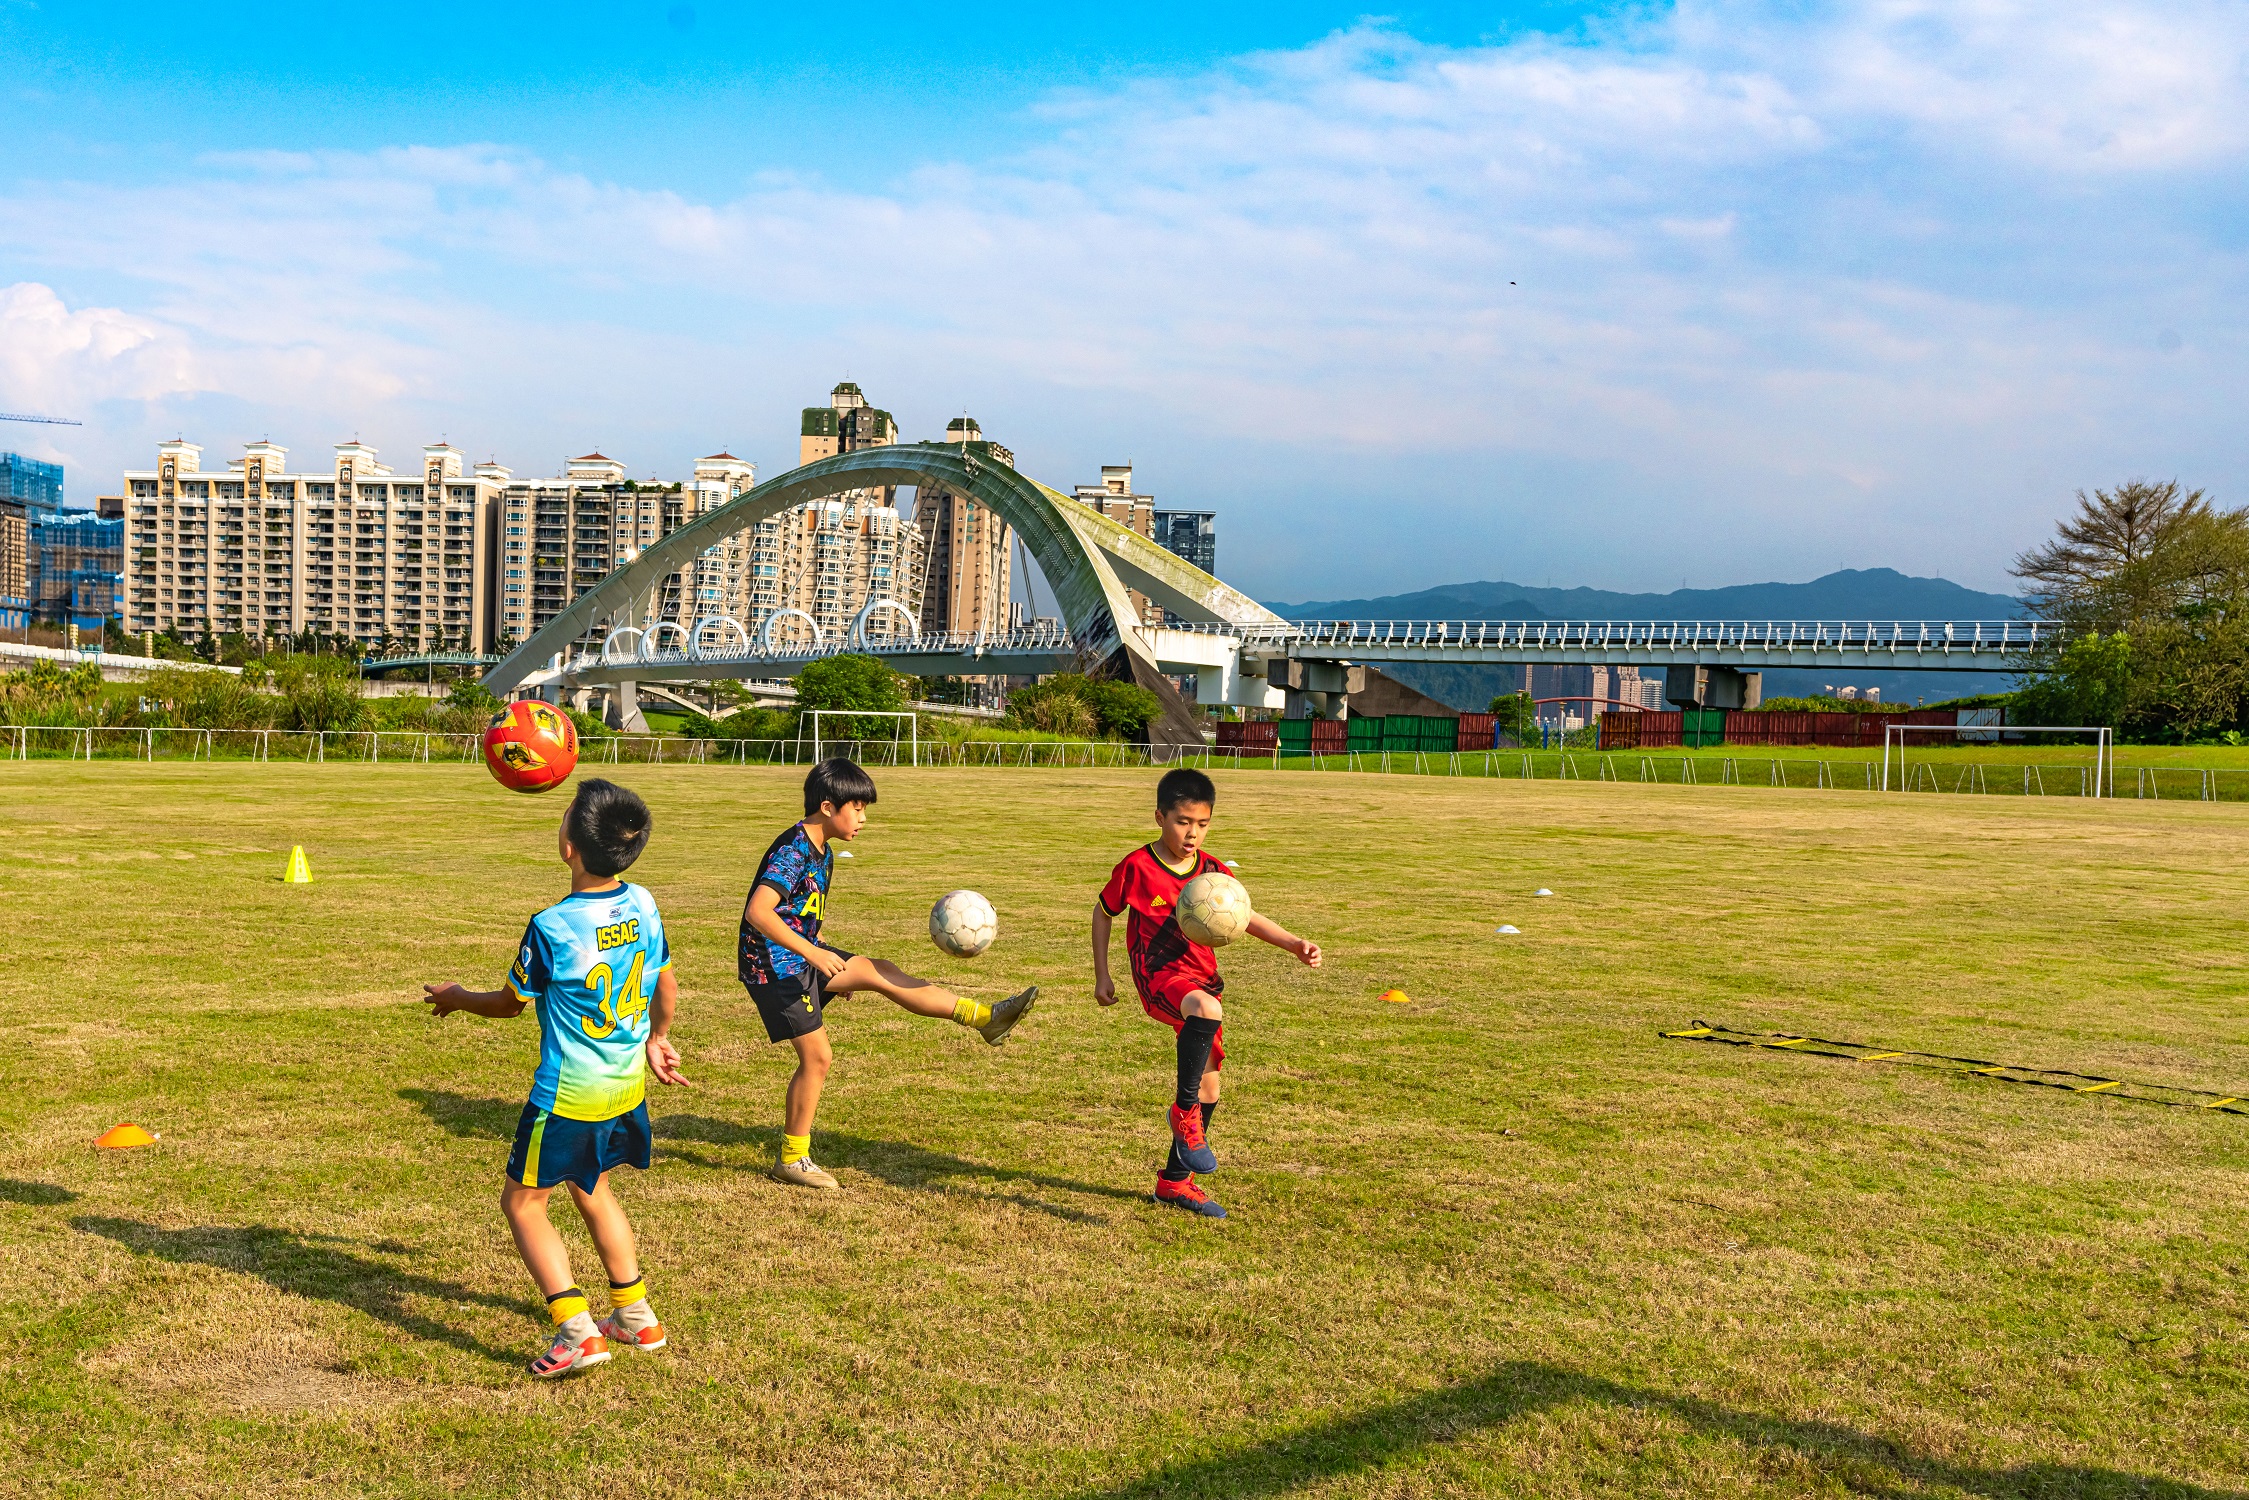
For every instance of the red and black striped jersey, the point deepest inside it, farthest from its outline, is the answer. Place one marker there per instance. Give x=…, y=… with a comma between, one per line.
x=1143, y=884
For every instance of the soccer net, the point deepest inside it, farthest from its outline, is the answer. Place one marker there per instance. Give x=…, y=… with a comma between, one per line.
x=909, y=729
x=2104, y=746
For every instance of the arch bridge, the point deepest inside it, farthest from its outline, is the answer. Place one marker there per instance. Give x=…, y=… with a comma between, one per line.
x=1240, y=653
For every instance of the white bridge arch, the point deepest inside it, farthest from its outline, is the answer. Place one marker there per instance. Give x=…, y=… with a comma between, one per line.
x=1089, y=560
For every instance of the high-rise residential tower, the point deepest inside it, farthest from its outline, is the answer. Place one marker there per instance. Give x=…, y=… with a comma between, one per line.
x=360, y=552
x=1114, y=498
x=966, y=584
x=827, y=559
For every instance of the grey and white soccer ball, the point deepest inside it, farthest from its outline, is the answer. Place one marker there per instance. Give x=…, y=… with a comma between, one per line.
x=963, y=923
x=1214, y=909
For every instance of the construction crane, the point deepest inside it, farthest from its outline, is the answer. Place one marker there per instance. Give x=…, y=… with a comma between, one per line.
x=9, y=416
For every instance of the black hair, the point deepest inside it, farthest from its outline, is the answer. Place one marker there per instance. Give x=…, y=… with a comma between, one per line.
x=839, y=781
x=1184, y=785
x=608, y=826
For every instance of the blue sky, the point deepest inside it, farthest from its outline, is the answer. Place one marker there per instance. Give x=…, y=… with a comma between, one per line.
x=1622, y=296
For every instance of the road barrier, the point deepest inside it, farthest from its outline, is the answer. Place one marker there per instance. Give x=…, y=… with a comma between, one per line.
x=1950, y=778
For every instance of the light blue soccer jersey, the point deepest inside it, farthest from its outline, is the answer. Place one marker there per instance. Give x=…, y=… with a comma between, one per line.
x=589, y=965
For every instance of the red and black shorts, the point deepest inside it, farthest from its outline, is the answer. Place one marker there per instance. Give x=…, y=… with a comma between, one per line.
x=1162, y=993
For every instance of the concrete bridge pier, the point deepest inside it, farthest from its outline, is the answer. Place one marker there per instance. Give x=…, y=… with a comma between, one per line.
x=1315, y=689
x=1712, y=687
x=623, y=709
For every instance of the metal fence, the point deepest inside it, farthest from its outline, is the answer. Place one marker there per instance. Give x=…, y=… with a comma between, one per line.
x=1950, y=778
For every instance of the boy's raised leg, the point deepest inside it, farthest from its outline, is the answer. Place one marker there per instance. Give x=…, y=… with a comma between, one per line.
x=927, y=998
x=1198, y=1033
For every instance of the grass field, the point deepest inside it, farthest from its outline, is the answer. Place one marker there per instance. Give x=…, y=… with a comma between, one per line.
x=1502, y=1240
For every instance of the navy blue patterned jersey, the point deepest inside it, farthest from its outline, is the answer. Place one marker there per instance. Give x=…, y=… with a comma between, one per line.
x=798, y=873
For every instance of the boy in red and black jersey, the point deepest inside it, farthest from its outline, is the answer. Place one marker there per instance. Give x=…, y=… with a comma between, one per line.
x=1177, y=978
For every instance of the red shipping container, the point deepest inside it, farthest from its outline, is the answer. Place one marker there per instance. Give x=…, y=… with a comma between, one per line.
x=1250, y=739
x=1622, y=729
x=1477, y=732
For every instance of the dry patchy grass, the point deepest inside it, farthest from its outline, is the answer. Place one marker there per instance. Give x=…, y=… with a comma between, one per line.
x=1503, y=1240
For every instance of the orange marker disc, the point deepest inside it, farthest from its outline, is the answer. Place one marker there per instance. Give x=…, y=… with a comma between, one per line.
x=1396, y=997
x=124, y=1137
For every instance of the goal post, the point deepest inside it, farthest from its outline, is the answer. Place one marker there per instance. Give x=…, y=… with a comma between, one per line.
x=2104, y=746
x=912, y=726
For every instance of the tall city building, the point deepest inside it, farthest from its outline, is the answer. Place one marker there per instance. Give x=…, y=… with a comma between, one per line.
x=560, y=537
x=1114, y=498
x=80, y=567
x=1191, y=534
x=34, y=484
x=829, y=558
x=965, y=585
x=15, y=564
x=359, y=551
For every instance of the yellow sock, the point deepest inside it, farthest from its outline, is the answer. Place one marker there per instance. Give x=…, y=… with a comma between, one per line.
x=795, y=1148
x=972, y=1013
x=626, y=1296
x=565, y=1305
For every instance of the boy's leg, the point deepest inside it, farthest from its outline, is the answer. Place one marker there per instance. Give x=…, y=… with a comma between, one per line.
x=577, y=1340
x=1200, y=1015
x=926, y=998
x=631, y=1320
x=814, y=1058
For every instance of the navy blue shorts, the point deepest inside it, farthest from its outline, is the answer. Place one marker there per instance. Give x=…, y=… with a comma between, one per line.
x=550, y=1149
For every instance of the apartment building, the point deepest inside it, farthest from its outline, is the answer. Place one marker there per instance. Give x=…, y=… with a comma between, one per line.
x=16, y=567
x=828, y=558
x=965, y=579
x=560, y=537
x=1114, y=498
x=358, y=551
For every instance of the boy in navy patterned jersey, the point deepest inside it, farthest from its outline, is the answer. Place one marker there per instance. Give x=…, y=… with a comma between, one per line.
x=791, y=974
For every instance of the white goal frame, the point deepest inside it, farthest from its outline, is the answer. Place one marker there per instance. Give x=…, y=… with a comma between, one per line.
x=913, y=726
x=2104, y=746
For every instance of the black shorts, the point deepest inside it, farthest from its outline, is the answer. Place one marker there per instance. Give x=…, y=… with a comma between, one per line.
x=795, y=1006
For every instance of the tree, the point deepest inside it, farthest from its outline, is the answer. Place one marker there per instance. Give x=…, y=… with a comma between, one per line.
x=2148, y=588
x=851, y=683
x=1518, y=716
x=1078, y=707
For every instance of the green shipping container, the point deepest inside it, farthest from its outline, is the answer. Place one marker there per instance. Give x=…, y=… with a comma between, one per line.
x=1365, y=733
x=1702, y=726
x=1408, y=733
x=1296, y=736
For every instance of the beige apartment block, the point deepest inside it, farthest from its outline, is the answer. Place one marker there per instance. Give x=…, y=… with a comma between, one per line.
x=359, y=551
x=829, y=558
x=1113, y=497
x=16, y=567
x=965, y=585
x=559, y=537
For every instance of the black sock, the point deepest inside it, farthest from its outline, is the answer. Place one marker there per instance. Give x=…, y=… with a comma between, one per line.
x=1210, y=1112
x=1195, y=1038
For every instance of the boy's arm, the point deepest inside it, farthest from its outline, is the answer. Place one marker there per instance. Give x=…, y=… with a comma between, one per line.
x=1266, y=930
x=663, y=1057
x=1104, y=988
x=764, y=913
x=444, y=999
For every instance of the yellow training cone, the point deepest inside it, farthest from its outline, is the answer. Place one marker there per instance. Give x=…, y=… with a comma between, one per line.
x=1397, y=997
x=124, y=1137
x=300, y=868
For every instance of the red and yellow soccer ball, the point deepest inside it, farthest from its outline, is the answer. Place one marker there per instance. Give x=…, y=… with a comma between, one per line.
x=531, y=746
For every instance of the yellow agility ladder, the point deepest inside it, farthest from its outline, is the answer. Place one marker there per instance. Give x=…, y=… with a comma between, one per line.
x=2174, y=1095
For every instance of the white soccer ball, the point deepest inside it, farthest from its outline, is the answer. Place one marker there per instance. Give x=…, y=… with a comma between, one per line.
x=1214, y=909
x=963, y=923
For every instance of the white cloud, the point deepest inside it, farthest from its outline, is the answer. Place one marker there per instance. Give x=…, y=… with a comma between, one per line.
x=1742, y=284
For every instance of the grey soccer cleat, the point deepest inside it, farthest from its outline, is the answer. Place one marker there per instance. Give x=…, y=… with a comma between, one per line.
x=1005, y=1014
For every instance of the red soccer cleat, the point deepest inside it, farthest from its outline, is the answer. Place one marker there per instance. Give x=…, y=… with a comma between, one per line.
x=1194, y=1150
x=1185, y=1194
x=565, y=1356
x=646, y=1341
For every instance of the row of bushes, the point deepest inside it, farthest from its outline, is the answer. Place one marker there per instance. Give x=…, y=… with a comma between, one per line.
x=299, y=692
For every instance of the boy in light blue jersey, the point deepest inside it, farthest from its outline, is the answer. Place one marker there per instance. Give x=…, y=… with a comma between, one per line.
x=596, y=969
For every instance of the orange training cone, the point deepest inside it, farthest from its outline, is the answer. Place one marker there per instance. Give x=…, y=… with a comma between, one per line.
x=300, y=868
x=1396, y=997
x=124, y=1137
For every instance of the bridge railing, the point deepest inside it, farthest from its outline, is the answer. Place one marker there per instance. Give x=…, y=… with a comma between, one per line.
x=1042, y=638
x=1888, y=637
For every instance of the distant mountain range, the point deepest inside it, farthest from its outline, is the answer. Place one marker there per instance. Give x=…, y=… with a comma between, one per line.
x=1853, y=594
